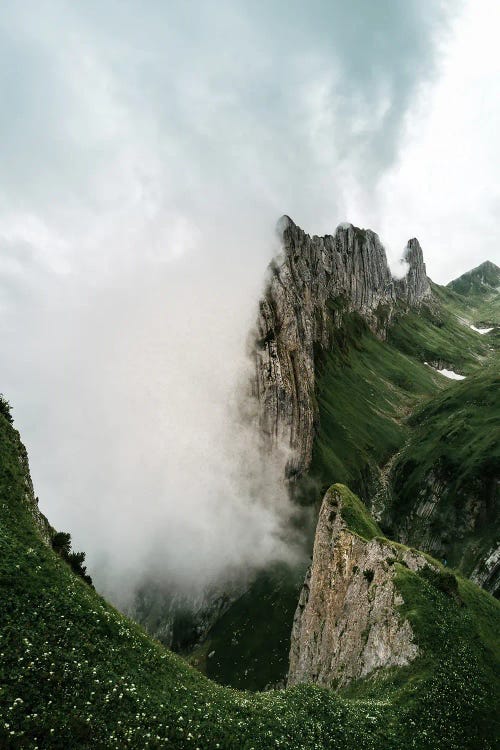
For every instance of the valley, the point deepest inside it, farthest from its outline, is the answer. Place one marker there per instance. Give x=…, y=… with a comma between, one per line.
x=390, y=638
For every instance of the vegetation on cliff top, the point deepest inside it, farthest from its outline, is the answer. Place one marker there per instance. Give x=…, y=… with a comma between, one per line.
x=355, y=514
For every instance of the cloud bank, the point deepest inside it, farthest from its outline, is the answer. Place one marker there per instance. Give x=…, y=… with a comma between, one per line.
x=146, y=154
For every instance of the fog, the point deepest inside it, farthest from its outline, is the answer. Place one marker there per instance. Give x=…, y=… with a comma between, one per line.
x=147, y=152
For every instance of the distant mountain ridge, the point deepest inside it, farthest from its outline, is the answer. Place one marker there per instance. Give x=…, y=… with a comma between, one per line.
x=483, y=279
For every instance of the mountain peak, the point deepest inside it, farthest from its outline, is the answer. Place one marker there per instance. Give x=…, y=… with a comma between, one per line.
x=484, y=278
x=315, y=282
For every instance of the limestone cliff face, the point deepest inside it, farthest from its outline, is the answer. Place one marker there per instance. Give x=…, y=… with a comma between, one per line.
x=311, y=285
x=347, y=623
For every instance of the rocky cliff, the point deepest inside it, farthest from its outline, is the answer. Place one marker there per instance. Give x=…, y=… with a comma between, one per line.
x=314, y=282
x=347, y=623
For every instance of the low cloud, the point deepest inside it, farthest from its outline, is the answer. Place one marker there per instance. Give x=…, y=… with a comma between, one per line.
x=147, y=152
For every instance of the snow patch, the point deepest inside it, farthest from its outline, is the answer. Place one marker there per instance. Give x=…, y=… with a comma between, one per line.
x=481, y=330
x=451, y=374
x=447, y=373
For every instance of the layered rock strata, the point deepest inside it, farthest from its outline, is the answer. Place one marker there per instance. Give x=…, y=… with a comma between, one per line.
x=314, y=282
x=347, y=623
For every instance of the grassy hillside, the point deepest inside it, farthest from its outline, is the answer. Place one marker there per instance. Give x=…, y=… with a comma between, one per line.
x=249, y=644
x=452, y=460
x=75, y=673
x=365, y=389
x=479, y=281
x=477, y=292
x=439, y=333
x=445, y=491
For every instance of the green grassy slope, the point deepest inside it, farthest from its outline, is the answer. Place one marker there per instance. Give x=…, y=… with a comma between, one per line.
x=365, y=390
x=453, y=455
x=367, y=387
x=249, y=644
x=439, y=333
x=477, y=292
x=74, y=673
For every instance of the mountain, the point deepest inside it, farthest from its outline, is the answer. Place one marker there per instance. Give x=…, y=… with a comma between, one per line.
x=383, y=395
x=359, y=614
x=445, y=481
x=345, y=357
x=481, y=280
x=347, y=624
x=316, y=282
x=75, y=673
x=478, y=292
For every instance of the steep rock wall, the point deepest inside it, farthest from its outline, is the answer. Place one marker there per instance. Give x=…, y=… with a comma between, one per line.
x=347, y=623
x=311, y=285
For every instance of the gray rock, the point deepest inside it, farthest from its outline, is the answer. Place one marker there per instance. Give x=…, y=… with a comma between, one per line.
x=310, y=287
x=347, y=623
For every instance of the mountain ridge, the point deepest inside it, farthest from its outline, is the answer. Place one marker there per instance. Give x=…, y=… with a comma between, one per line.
x=483, y=278
x=366, y=379
x=311, y=285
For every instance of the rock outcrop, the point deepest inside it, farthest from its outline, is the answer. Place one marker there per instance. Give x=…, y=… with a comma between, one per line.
x=311, y=286
x=347, y=623
x=487, y=572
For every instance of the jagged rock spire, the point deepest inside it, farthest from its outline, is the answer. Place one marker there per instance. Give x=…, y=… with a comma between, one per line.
x=310, y=286
x=347, y=623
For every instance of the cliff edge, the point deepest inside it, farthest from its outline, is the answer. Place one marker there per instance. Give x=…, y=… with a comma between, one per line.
x=347, y=624
x=311, y=285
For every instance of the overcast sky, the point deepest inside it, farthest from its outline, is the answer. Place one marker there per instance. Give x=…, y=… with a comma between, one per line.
x=146, y=151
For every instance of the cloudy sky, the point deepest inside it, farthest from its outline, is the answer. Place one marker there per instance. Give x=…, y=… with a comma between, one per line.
x=146, y=151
